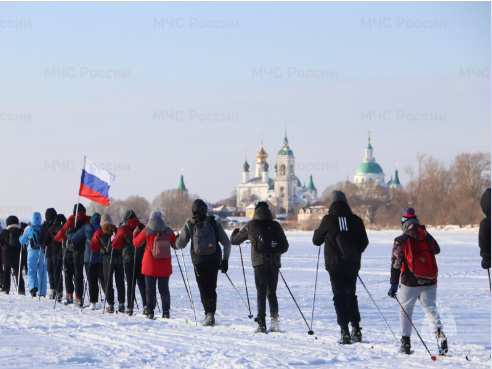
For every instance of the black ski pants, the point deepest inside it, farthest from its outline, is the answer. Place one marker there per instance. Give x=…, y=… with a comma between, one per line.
x=78, y=261
x=55, y=276
x=95, y=274
x=206, y=277
x=13, y=268
x=345, y=300
x=130, y=282
x=114, y=268
x=163, y=284
x=266, y=280
x=69, y=273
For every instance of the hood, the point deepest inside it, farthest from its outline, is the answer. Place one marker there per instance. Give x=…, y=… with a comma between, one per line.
x=96, y=219
x=50, y=215
x=340, y=209
x=262, y=213
x=156, y=223
x=416, y=231
x=485, y=202
x=11, y=220
x=36, y=219
x=81, y=208
x=199, y=209
x=106, y=218
x=14, y=226
x=128, y=215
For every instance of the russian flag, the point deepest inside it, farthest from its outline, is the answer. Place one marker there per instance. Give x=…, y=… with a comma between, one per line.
x=95, y=183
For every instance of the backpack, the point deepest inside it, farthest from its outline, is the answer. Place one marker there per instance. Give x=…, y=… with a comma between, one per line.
x=349, y=251
x=14, y=238
x=204, y=240
x=419, y=258
x=267, y=240
x=162, y=246
x=34, y=241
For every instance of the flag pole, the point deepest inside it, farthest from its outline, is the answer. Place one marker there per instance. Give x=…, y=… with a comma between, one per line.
x=78, y=202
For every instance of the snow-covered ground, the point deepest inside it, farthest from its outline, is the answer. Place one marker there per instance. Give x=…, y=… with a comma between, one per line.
x=33, y=333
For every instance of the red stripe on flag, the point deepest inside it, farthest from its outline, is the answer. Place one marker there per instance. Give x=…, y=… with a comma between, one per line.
x=92, y=195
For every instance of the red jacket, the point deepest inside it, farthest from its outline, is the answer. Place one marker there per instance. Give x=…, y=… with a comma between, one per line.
x=70, y=223
x=95, y=243
x=122, y=232
x=150, y=265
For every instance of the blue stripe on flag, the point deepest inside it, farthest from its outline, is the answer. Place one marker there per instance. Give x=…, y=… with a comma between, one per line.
x=95, y=183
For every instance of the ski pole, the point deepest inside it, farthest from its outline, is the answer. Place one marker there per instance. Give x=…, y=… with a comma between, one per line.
x=109, y=276
x=314, y=296
x=410, y=320
x=133, y=279
x=490, y=286
x=244, y=302
x=294, y=300
x=182, y=276
x=397, y=342
x=189, y=287
x=245, y=284
x=20, y=269
x=61, y=272
x=42, y=273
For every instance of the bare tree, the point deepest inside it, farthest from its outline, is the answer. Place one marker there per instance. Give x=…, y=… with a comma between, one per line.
x=175, y=206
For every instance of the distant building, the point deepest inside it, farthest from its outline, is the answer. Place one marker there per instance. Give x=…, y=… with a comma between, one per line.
x=311, y=215
x=285, y=191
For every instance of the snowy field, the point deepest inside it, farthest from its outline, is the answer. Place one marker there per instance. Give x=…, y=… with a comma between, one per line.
x=34, y=334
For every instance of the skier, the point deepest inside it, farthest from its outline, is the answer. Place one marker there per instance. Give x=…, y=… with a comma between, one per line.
x=11, y=248
x=34, y=237
x=55, y=262
x=123, y=241
x=75, y=261
x=112, y=263
x=343, y=274
x=205, y=234
x=85, y=234
x=49, y=216
x=268, y=243
x=155, y=269
x=484, y=230
x=418, y=278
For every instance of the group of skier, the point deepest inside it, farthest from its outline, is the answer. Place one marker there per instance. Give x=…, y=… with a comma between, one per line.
x=142, y=255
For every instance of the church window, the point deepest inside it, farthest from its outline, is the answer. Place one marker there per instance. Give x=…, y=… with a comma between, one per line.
x=282, y=170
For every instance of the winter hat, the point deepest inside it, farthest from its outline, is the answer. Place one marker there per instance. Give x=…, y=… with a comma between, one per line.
x=12, y=220
x=106, y=218
x=338, y=196
x=261, y=204
x=156, y=223
x=409, y=218
x=485, y=202
x=199, y=207
x=129, y=215
x=95, y=215
x=81, y=208
x=50, y=215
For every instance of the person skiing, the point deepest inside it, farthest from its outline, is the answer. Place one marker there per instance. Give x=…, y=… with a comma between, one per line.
x=123, y=242
x=342, y=261
x=49, y=216
x=484, y=230
x=112, y=262
x=55, y=262
x=418, y=278
x=205, y=234
x=268, y=243
x=74, y=260
x=85, y=234
x=11, y=248
x=36, y=269
x=156, y=269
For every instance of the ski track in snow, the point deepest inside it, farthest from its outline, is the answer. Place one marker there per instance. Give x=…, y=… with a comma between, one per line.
x=32, y=333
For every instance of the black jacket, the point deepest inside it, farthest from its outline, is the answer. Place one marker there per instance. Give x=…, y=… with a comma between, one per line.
x=54, y=246
x=484, y=230
x=261, y=218
x=329, y=229
x=10, y=255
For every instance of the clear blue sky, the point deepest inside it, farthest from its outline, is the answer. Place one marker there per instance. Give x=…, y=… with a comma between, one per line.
x=106, y=79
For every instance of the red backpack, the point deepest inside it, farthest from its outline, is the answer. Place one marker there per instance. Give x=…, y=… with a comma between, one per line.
x=162, y=246
x=419, y=258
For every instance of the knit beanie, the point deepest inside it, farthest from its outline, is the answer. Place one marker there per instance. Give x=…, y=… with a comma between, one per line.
x=338, y=196
x=106, y=218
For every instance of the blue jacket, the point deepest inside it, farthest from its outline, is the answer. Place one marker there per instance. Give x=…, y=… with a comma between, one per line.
x=86, y=232
x=33, y=232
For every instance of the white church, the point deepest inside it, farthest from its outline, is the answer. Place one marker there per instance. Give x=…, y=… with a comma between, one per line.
x=284, y=191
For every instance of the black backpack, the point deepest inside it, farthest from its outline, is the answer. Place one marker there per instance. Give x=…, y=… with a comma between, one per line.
x=203, y=236
x=34, y=241
x=14, y=238
x=349, y=251
x=268, y=240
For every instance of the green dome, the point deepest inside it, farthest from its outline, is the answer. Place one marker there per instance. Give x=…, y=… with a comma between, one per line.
x=369, y=168
x=286, y=152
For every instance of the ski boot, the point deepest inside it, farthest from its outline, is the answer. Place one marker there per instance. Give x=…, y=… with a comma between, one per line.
x=52, y=295
x=145, y=311
x=345, y=337
x=129, y=311
x=121, y=308
x=150, y=315
x=442, y=342
x=34, y=291
x=110, y=309
x=274, y=326
x=261, y=326
x=165, y=315
x=79, y=302
x=92, y=306
x=405, y=345
x=69, y=299
x=356, y=334
x=209, y=320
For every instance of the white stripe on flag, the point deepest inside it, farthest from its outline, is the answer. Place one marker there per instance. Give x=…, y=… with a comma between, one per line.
x=96, y=170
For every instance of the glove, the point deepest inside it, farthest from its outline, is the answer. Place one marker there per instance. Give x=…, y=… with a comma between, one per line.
x=392, y=290
x=68, y=232
x=224, y=266
x=177, y=236
x=486, y=263
x=234, y=232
